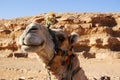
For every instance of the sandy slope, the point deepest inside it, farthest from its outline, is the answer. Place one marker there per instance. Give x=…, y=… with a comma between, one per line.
x=95, y=68
x=32, y=69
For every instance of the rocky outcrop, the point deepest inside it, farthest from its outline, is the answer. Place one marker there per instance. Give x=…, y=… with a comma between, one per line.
x=99, y=33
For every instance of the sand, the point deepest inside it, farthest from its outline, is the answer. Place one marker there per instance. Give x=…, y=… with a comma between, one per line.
x=32, y=69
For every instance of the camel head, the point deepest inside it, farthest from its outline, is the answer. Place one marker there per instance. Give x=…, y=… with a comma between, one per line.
x=33, y=38
x=37, y=38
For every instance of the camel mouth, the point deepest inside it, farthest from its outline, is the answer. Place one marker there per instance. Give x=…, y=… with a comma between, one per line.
x=32, y=47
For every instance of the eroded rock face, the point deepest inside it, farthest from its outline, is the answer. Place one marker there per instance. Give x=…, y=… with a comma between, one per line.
x=99, y=33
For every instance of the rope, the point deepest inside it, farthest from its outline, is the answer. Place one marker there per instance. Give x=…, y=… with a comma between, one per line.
x=49, y=75
x=64, y=53
x=55, y=43
x=76, y=71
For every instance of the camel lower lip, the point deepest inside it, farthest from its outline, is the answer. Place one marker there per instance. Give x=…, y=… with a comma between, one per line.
x=29, y=48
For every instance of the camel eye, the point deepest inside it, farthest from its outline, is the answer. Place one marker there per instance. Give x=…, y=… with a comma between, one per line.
x=61, y=39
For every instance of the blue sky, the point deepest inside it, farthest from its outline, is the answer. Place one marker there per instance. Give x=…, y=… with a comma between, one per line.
x=21, y=8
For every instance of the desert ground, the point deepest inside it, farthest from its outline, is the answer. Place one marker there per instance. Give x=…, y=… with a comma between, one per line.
x=31, y=68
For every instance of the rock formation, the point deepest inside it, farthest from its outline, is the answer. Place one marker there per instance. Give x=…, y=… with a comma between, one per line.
x=99, y=33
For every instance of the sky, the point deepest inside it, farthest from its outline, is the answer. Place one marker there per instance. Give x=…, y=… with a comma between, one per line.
x=21, y=8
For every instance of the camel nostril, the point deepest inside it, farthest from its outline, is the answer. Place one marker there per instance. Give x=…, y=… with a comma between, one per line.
x=34, y=28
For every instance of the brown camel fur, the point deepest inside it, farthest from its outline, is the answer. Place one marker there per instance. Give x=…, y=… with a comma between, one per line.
x=36, y=38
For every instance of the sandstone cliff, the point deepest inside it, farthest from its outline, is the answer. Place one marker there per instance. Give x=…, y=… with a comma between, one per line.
x=99, y=33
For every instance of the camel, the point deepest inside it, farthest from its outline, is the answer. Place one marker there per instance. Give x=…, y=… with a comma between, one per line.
x=56, y=54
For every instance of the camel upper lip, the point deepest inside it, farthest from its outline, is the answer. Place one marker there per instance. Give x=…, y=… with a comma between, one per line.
x=34, y=44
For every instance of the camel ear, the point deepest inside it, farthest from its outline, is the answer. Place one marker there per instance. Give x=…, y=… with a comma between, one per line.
x=73, y=38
